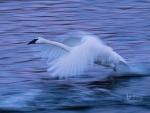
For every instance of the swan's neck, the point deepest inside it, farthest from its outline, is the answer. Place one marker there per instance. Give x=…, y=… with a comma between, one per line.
x=63, y=46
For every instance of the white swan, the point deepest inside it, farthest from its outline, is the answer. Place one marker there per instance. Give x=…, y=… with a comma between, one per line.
x=76, y=54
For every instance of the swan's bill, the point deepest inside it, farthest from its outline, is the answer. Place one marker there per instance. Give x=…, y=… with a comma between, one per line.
x=33, y=41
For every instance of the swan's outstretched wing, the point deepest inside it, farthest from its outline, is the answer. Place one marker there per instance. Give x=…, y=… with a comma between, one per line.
x=72, y=64
x=47, y=51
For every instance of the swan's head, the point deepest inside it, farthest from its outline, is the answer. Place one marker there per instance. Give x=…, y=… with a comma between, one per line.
x=36, y=40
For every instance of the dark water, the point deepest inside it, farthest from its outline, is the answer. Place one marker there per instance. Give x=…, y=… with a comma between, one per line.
x=24, y=83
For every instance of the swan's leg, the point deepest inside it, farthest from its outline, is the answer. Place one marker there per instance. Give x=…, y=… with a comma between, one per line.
x=113, y=66
x=115, y=69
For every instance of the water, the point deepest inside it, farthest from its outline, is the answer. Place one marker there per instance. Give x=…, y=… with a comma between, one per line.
x=24, y=83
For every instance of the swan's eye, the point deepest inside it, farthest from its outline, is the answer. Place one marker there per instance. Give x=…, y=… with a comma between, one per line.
x=33, y=41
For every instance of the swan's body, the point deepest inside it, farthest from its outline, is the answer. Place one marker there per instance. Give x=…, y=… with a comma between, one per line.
x=76, y=54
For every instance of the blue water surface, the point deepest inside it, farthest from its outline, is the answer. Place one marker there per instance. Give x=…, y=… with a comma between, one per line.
x=25, y=86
